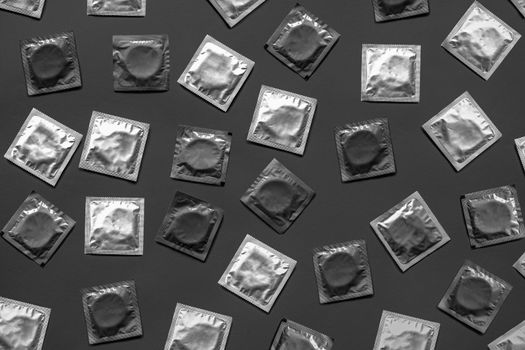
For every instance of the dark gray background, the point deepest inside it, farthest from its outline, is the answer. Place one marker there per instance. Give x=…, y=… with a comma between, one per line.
x=339, y=212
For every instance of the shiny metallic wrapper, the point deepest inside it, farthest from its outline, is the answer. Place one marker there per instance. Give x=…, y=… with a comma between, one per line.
x=302, y=41
x=342, y=271
x=141, y=62
x=520, y=147
x=278, y=196
x=114, y=226
x=493, y=216
x=234, y=11
x=520, y=5
x=43, y=147
x=114, y=146
x=365, y=149
x=194, y=328
x=475, y=296
x=111, y=312
x=282, y=120
x=410, y=231
x=190, y=225
x=519, y=265
x=201, y=155
x=216, y=73
x=390, y=73
x=125, y=8
x=31, y=8
x=37, y=228
x=481, y=40
x=512, y=340
x=388, y=10
x=462, y=131
x=400, y=332
x=257, y=273
x=292, y=335
x=50, y=63
x=22, y=326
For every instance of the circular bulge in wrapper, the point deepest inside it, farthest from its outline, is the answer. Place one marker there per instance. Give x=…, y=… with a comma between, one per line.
x=340, y=270
x=48, y=62
x=302, y=43
x=37, y=230
x=492, y=217
x=189, y=227
x=143, y=61
x=362, y=148
x=109, y=311
x=394, y=6
x=408, y=231
x=473, y=294
x=202, y=154
x=275, y=195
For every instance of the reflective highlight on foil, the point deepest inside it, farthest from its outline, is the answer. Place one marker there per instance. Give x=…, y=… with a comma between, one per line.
x=292, y=335
x=117, y=7
x=31, y=8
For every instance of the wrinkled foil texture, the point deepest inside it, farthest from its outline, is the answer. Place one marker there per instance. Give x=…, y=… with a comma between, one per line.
x=520, y=147
x=387, y=10
x=31, y=8
x=292, y=335
x=234, y=11
x=116, y=8
x=519, y=265
x=512, y=340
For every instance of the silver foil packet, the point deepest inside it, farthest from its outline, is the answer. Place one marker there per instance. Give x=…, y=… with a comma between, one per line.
x=114, y=226
x=114, y=146
x=399, y=332
x=388, y=10
x=127, y=8
x=520, y=147
x=43, y=147
x=390, y=73
x=292, y=335
x=520, y=5
x=234, y=11
x=282, y=120
x=50, y=63
x=197, y=329
x=111, y=312
x=365, y=149
x=481, y=40
x=22, y=326
x=257, y=273
x=462, y=131
x=493, y=216
x=475, y=296
x=201, y=155
x=31, y=8
x=190, y=225
x=410, y=231
x=277, y=196
x=342, y=271
x=216, y=73
x=302, y=41
x=519, y=265
x=37, y=228
x=512, y=340
x=141, y=62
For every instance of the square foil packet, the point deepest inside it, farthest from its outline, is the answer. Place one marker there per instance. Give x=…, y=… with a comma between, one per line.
x=37, y=228
x=125, y=8
x=190, y=225
x=257, y=273
x=388, y=10
x=114, y=146
x=194, y=328
x=410, y=231
x=282, y=120
x=493, y=216
x=365, y=149
x=390, y=73
x=462, y=131
x=111, y=312
x=342, y=271
x=43, y=147
x=520, y=147
x=519, y=265
x=50, y=63
x=277, y=196
x=475, y=296
x=512, y=340
x=292, y=335
x=520, y=5
x=22, y=325
x=302, y=41
x=481, y=40
x=141, y=62
x=216, y=73
x=398, y=331
x=201, y=155
x=114, y=226
x=234, y=11
x=31, y=8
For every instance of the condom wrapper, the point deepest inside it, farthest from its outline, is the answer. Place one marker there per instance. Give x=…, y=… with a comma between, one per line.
x=278, y=196
x=475, y=296
x=397, y=331
x=519, y=265
x=257, y=273
x=31, y=8
x=50, y=63
x=37, y=228
x=201, y=155
x=388, y=10
x=302, y=41
x=514, y=339
x=190, y=225
x=216, y=73
x=493, y=216
x=282, y=120
x=234, y=11
x=141, y=63
x=410, y=231
x=194, y=328
x=520, y=147
x=481, y=40
x=125, y=8
x=342, y=271
x=43, y=147
x=520, y=5
x=292, y=335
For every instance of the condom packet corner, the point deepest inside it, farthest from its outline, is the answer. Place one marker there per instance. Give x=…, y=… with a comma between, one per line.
x=121, y=8
x=232, y=12
x=520, y=147
x=290, y=335
x=31, y=8
x=513, y=339
x=384, y=11
x=519, y=265
x=520, y=6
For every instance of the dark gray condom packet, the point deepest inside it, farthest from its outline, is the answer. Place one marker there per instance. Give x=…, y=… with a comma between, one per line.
x=190, y=225
x=37, y=228
x=292, y=335
x=388, y=10
x=124, y=8
x=475, y=296
x=512, y=340
x=31, y=8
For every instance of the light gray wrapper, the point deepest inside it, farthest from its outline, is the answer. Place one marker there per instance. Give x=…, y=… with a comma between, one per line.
x=292, y=335
x=125, y=8
x=234, y=11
